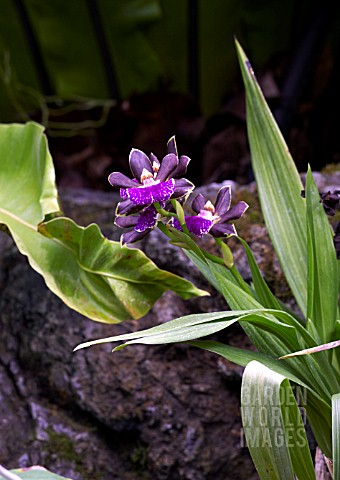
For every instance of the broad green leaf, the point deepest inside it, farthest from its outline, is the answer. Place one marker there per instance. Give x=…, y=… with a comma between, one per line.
x=278, y=184
x=336, y=435
x=94, y=276
x=27, y=178
x=322, y=265
x=30, y=473
x=91, y=274
x=273, y=426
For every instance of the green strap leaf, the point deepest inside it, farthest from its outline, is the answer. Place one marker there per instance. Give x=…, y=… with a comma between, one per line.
x=283, y=331
x=278, y=184
x=173, y=326
x=318, y=410
x=322, y=266
x=238, y=299
x=318, y=370
x=243, y=357
x=336, y=435
x=273, y=426
x=264, y=295
x=32, y=473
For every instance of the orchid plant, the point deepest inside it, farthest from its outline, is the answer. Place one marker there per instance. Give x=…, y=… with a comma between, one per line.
x=299, y=349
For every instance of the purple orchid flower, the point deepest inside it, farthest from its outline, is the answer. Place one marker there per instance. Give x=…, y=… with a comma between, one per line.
x=213, y=219
x=142, y=224
x=153, y=181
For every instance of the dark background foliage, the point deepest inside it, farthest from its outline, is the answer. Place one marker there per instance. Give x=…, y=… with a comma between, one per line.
x=106, y=75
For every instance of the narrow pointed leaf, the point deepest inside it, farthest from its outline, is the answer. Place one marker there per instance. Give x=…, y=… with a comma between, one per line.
x=318, y=410
x=36, y=473
x=168, y=327
x=264, y=295
x=283, y=331
x=278, y=184
x=318, y=370
x=243, y=357
x=336, y=435
x=273, y=426
x=322, y=265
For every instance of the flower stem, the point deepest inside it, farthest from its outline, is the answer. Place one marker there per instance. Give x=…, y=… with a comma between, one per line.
x=236, y=274
x=163, y=229
x=163, y=212
x=214, y=258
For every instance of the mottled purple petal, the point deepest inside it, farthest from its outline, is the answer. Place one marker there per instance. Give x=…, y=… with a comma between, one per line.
x=223, y=200
x=147, y=219
x=198, y=225
x=235, y=212
x=172, y=147
x=159, y=192
x=222, y=229
x=182, y=167
x=118, y=179
x=182, y=187
x=133, y=236
x=138, y=161
x=127, y=208
x=126, y=222
x=169, y=163
x=198, y=203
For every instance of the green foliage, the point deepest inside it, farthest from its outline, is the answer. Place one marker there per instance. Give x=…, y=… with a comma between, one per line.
x=149, y=42
x=322, y=266
x=70, y=50
x=106, y=282
x=278, y=184
x=336, y=435
x=34, y=473
x=267, y=401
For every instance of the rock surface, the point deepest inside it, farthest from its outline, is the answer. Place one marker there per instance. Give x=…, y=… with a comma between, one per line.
x=160, y=413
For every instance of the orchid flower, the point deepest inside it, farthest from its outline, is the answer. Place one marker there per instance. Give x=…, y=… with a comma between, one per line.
x=153, y=181
x=211, y=218
x=142, y=224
